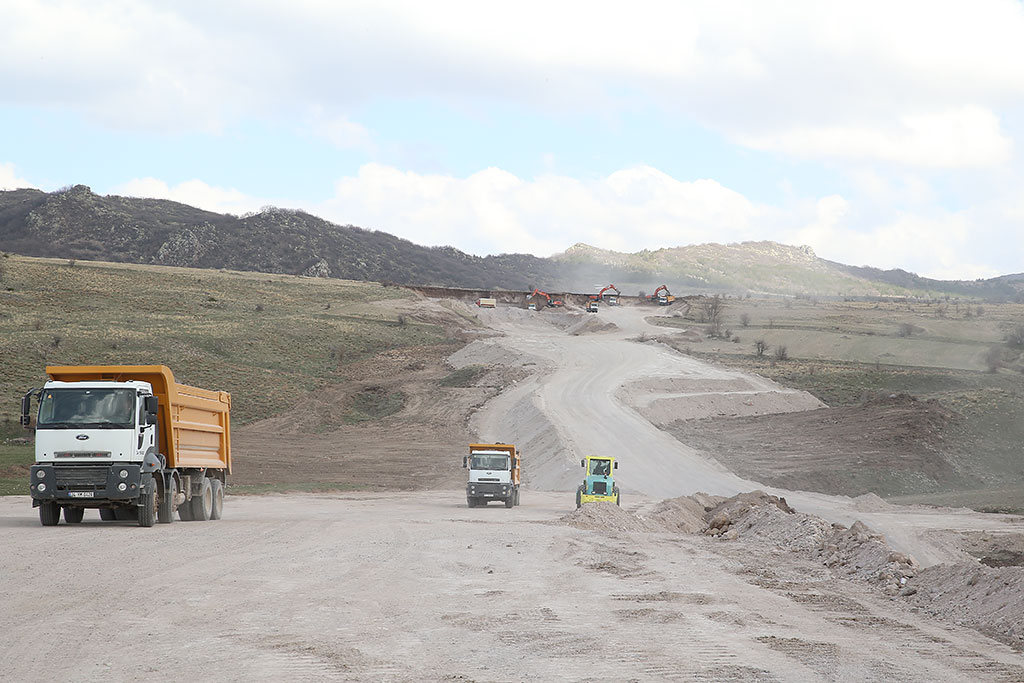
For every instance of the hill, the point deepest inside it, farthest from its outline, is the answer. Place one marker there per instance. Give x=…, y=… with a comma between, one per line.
x=75, y=223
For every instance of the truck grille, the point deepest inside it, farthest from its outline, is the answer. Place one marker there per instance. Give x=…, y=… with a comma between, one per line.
x=601, y=488
x=81, y=478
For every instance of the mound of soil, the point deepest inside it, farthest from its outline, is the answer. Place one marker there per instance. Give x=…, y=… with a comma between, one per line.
x=604, y=516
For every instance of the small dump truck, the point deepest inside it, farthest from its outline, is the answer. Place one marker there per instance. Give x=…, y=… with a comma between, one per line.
x=592, y=305
x=130, y=442
x=487, y=302
x=494, y=470
x=599, y=481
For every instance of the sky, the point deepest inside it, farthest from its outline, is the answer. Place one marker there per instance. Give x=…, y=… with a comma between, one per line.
x=887, y=134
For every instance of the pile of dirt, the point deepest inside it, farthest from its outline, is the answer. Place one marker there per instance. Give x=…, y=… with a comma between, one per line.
x=989, y=599
x=591, y=325
x=605, y=516
x=685, y=514
x=853, y=553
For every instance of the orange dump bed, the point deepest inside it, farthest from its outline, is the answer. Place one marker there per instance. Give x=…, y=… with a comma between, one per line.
x=194, y=423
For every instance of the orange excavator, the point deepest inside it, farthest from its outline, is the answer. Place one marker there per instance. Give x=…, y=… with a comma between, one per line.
x=550, y=301
x=661, y=296
x=612, y=298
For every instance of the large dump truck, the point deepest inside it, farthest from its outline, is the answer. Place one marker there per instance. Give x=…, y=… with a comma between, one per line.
x=493, y=474
x=129, y=441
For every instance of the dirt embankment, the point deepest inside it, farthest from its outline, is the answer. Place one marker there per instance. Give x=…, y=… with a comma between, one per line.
x=763, y=529
x=889, y=445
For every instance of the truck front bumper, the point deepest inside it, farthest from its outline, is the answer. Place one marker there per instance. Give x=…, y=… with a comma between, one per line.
x=487, y=489
x=84, y=484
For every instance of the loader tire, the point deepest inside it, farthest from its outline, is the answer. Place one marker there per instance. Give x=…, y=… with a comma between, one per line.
x=579, y=498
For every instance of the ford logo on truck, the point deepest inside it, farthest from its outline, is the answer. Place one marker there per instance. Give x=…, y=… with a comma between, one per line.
x=82, y=437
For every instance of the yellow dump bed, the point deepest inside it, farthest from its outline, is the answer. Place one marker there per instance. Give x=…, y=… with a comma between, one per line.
x=194, y=424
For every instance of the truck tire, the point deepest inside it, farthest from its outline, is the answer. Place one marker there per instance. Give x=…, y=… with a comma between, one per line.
x=517, y=496
x=202, y=504
x=165, y=508
x=49, y=513
x=73, y=515
x=217, y=511
x=147, y=505
x=107, y=514
x=470, y=502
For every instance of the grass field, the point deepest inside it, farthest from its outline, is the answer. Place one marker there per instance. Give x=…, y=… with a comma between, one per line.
x=846, y=353
x=267, y=339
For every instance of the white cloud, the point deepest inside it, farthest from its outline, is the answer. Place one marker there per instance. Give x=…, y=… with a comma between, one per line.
x=917, y=83
x=9, y=179
x=962, y=138
x=494, y=211
x=192, y=192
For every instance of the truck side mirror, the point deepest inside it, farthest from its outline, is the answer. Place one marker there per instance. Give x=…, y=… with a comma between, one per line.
x=150, y=403
x=26, y=408
x=616, y=465
x=465, y=460
x=583, y=463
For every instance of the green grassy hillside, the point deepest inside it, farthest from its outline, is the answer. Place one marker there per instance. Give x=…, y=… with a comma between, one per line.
x=267, y=339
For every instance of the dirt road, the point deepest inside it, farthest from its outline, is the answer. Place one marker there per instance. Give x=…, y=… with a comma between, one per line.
x=402, y=587
x=595, y=397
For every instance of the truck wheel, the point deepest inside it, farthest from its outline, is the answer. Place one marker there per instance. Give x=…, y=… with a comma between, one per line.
x=470, y=502
x=49, y=513
x=73, y=515
x=217, y=511
x=147, y=505
x=517, y=496
x=165, y=508
x=202, y=504
x=107, y=514
x=511, y=500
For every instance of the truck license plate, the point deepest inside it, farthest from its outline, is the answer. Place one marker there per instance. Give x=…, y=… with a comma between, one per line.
x=489, y=495
x=80, y=494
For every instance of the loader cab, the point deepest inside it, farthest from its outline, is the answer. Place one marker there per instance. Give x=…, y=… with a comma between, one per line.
x=599, y=481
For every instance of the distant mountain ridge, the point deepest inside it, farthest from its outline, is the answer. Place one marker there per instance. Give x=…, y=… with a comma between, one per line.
x=76, y=223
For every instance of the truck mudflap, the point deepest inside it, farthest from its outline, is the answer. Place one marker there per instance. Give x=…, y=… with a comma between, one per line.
x=489, y=490
x=85, y=483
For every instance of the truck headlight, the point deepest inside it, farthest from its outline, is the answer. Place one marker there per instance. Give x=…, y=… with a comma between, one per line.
x=123, y=474
x=40, y=487
x=122, y=486
x=40, y=474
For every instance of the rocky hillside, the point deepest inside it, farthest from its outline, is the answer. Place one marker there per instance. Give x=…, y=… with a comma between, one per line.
x=76, y=223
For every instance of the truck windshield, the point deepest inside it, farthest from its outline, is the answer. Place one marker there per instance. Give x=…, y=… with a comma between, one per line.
x=78, y=408
x=489, y=462
x=601, y=467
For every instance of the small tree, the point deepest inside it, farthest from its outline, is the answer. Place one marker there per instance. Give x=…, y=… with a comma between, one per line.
x=760, y=348
x=745, y=319
x=1015, y=337
x=711, y=312
x=780, y=353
